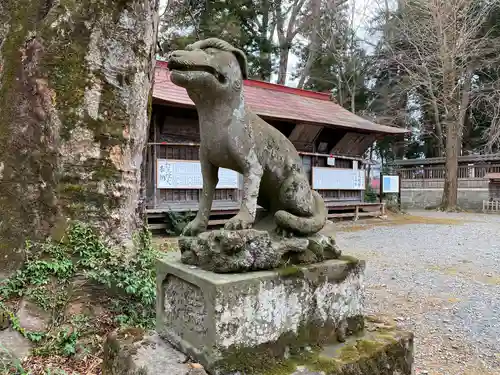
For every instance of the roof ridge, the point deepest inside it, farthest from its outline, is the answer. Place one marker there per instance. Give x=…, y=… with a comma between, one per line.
x=281, y=102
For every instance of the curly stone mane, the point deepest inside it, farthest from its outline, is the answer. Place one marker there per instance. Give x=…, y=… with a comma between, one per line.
x=223, y=46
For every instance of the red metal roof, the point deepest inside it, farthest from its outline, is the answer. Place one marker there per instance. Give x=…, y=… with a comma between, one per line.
x=277, y=101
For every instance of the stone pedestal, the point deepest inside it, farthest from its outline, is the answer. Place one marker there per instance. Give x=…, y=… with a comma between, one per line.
x=380, y=349
x=227, y=321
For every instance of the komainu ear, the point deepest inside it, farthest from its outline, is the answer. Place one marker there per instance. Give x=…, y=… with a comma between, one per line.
x=242, y=60
x=223, y=46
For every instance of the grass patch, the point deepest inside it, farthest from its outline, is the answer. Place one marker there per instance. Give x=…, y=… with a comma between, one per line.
x=47, y=279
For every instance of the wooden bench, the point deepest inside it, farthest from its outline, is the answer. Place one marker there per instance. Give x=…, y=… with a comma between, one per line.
x=356, y=209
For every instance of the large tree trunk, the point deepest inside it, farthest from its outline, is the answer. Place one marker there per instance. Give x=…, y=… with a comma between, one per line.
x=75, y=81
x=265, y=43
x=454, y=130
x=450, y=191
x=283, y=67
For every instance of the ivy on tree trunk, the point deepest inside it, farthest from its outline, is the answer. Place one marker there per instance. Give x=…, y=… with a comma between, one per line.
x=75, y=81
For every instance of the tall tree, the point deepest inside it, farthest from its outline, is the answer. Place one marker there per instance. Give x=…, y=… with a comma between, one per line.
x=334, y=60
x=292, y=17
x=75, y=79
x=439, y=46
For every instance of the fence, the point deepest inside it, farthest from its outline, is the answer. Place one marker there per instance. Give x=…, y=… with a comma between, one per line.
x=464, y=172
x=422, y=186
x=491, y=206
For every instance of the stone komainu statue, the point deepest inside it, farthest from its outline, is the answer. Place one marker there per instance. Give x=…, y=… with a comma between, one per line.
x=232, y=136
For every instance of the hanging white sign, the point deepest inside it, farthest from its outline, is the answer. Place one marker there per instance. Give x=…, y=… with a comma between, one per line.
x=186, y=174
x=338, y=179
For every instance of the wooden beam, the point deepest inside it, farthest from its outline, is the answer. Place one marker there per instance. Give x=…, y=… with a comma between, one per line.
x=353, y=144
x=305, y=132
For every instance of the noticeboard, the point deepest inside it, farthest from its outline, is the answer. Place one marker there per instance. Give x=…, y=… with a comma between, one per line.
x=390, y=184
x=186, y=174
x=324, y=178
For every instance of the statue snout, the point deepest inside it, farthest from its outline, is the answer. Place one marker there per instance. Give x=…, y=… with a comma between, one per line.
x=176, y=55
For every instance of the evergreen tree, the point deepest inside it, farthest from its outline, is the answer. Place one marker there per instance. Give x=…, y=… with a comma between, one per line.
x=243, y=23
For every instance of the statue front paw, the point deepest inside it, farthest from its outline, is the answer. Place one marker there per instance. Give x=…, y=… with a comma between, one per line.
x=238, y=222
x=194, y=228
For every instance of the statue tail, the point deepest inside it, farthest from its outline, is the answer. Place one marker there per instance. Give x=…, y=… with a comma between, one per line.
x=304, y=225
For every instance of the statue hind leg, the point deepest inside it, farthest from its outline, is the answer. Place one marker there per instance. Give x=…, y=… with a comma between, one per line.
x=296, y=198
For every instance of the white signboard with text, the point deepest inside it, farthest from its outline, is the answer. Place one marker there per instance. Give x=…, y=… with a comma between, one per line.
x=338, y=179
x=186, y=174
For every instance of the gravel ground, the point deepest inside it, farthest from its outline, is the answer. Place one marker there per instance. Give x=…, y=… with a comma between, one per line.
x=437, y=275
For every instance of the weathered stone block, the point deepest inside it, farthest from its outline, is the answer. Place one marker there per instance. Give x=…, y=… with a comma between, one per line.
x=14, y=348
x=378, y=350
x=32, y=318
x=217, y=318
x=136, y=352
x=375, y=351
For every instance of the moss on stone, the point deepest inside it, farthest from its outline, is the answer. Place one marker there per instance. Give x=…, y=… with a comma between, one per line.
x=350, y=259
x=265, y=359
x=290, y=271
x=4, y=318
x=369, y=347
x=373, y=351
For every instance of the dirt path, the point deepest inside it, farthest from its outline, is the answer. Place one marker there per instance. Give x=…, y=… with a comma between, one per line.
x=437, y=275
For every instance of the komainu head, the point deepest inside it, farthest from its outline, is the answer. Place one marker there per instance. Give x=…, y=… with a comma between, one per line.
x=208, y=64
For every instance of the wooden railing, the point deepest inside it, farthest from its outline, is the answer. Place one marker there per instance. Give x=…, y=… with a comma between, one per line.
x=491, y=206
x=437, y=173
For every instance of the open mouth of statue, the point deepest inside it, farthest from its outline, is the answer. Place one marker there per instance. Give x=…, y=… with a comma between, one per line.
x=172, y=65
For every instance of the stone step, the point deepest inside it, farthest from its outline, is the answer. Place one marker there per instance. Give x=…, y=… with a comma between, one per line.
x=133, y=352
x=14, y=348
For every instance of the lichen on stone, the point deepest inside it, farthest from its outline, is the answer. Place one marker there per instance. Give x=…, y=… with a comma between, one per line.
x=225, y=251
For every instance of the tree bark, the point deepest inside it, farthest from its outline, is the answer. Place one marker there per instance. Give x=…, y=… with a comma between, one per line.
x=454, y=128
x=283, y=67
x=450, y=191
x=75, y=82
x=266, y=47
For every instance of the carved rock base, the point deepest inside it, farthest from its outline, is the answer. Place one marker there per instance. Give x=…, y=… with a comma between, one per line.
x=224, y=251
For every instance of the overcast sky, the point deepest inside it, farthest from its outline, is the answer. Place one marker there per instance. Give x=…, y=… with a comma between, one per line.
x=364, y=11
